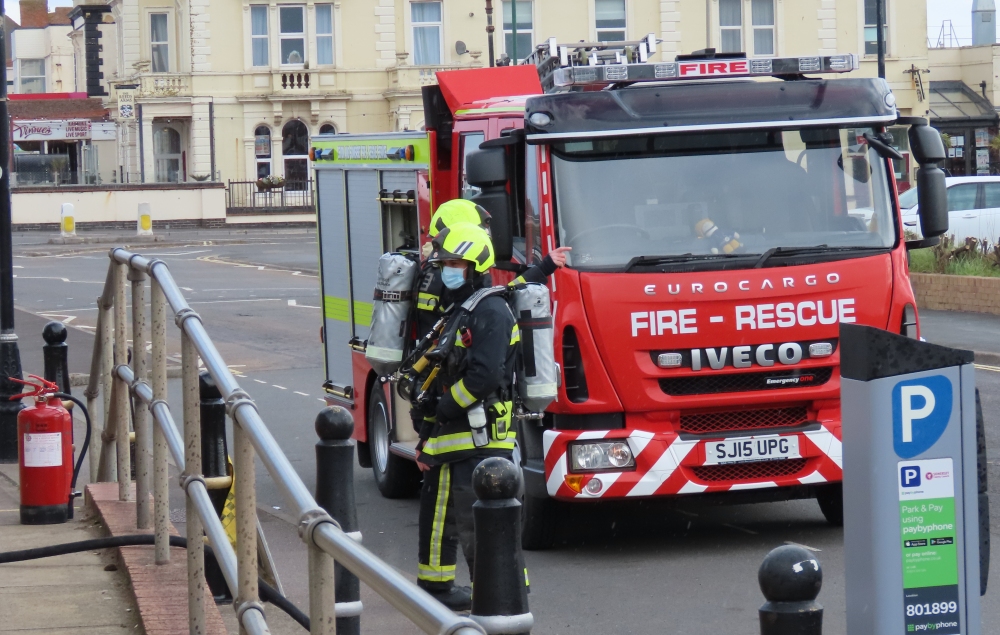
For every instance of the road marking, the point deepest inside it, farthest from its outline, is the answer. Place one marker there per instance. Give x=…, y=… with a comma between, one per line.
x=300, y=393
x=321, y=399
x=796, y=544
x=279, y=387
x=235, y=301
x=61, y=317
x=259, y=381
x=994, y=369
x=182, y=253
x=187, y=288
x=58, y=278
x=260, y=268
x=737, y=528
x=301, y=306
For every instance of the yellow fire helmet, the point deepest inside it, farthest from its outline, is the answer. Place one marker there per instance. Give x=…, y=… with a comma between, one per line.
x=456, y=211
x=464, y=241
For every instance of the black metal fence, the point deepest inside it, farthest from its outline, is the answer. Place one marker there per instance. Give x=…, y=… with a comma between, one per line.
x=246, y=197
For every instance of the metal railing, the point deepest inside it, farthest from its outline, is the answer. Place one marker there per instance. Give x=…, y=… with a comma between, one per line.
x=321, y=534
x=248, y=198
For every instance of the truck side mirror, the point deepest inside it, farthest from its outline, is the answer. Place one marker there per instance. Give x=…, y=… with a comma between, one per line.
x=932, y=193
x=487, y=170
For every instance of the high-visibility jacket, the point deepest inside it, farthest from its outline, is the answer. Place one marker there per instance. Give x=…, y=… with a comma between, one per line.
x=482, y=371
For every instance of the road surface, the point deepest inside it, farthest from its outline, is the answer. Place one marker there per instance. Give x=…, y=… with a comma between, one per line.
x=630, y=568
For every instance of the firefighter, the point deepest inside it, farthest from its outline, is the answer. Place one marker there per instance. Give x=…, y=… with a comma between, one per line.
x=434, y=299
x=476, y=376
x=431, y=295
x=429, y=287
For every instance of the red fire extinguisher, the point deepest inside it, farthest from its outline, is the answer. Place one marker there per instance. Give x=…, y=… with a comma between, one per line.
x=45, y=449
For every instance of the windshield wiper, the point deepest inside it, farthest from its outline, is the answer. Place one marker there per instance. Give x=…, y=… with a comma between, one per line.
x=798, y=251
x=640, y=261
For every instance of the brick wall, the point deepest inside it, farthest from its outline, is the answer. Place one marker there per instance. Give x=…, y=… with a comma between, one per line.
x=956, y=293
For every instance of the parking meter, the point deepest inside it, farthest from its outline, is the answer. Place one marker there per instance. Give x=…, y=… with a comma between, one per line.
x=911, y=492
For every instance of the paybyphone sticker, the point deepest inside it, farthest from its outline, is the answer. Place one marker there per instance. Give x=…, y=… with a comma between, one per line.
x=928, y=536
x=921, y=409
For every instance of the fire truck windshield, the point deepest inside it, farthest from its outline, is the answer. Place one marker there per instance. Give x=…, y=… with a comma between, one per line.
x=741, y=192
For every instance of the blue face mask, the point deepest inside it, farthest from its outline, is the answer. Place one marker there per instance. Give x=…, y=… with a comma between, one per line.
x=453, y=277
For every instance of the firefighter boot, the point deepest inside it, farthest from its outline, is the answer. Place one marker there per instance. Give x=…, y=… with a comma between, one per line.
x=456, y=598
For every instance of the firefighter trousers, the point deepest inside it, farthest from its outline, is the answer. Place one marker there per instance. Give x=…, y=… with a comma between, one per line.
x=446, y=500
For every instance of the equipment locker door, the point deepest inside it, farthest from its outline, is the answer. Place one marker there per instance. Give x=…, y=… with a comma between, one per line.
x=400, y=223
x=364, y=223
x=332, y=218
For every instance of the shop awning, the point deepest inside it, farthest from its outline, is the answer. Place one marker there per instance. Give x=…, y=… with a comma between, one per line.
x=954, y=103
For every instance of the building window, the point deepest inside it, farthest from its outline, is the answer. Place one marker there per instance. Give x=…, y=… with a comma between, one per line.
x=295, y=150
x=524, y=26
x=262, y=150
x=328, y=128
x=871, y=28
x=292, y=27
x=324, y=34
x=259, y=41
x=167, y=154
x=32, y=76
x=426, y=20
x=610, y=20
x=159, y=42
x=730, y=26
x=762, y=17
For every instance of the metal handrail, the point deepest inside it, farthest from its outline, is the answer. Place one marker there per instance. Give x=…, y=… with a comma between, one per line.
x=317, y=529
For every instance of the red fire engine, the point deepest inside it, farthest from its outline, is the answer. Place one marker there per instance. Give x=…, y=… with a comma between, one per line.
x=725, y=215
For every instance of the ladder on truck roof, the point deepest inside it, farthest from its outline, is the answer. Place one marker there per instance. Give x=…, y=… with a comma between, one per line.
x=562, y=67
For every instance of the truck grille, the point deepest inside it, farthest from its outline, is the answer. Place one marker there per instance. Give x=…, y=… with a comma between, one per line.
x=733, y=420
x=744, y=382
x=758, y=471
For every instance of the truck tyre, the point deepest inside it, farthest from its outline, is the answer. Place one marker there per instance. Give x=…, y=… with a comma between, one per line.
x=831, y=503
x=395, y=476
x=537, y=519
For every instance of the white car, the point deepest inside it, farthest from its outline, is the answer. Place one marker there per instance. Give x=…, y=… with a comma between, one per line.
x=973, y=208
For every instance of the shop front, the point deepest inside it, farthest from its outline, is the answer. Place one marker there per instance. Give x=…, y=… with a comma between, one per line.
x=61, y=151
x=968, y=123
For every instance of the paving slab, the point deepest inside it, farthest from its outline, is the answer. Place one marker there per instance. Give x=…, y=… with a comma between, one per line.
x=84, y=592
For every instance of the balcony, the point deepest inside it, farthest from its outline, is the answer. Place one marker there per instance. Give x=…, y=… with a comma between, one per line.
x=244, y=198
x=164, y=85
x=295, y=82
x=406, y=78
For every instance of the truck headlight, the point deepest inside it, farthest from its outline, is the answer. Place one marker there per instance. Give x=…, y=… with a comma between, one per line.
x=595, y=456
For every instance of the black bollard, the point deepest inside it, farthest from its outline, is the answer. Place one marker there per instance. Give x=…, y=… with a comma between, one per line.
x=335, y=494
x=56, y=368
x=499, y=587
x=214, y=458
x=790, y=579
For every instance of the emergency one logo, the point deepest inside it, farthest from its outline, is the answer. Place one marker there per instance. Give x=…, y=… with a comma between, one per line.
x=921, y=409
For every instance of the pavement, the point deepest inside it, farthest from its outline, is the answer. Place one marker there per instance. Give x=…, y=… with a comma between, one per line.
x=86, y=593
x=625, y=568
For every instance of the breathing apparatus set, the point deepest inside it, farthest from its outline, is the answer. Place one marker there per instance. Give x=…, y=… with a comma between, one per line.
x=415, y=367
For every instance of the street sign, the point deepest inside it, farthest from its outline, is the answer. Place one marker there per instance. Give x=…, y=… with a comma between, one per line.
x=911, y=496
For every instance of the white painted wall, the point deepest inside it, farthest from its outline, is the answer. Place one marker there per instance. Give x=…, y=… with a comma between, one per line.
x=101, y=205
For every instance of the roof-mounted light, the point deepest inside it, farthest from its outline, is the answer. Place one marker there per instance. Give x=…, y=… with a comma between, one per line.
x=561, y=66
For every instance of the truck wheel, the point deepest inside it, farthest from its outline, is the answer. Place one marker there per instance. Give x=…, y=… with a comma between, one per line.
x=395, y=476
x=538, y=518
x=831, y=503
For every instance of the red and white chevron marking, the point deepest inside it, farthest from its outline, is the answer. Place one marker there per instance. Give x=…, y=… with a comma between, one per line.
x=663, y=462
